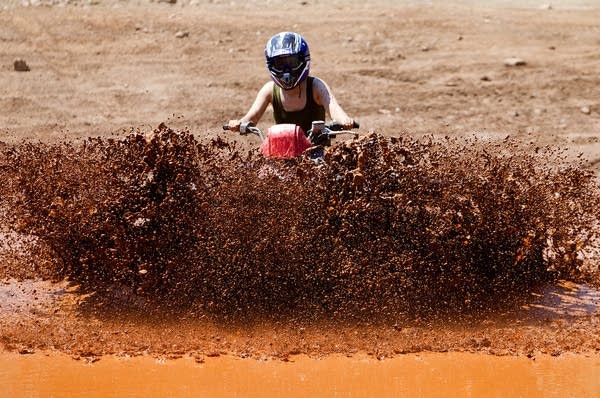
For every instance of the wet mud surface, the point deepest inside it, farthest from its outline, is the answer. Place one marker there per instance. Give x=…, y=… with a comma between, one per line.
x=433, y=232
x=41, y=317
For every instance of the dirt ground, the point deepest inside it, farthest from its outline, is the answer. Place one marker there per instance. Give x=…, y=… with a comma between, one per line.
x=104, y=67
x=437, y=68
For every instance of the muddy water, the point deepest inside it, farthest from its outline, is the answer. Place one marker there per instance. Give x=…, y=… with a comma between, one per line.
x=424, y=375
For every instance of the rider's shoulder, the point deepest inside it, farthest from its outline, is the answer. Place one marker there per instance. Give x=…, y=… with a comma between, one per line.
x=316, y=80
x=268, y=85
x=319, y=84
x=267, y=89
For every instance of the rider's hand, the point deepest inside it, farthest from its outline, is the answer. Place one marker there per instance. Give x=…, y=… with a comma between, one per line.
x=346, y=123
x=234, y=125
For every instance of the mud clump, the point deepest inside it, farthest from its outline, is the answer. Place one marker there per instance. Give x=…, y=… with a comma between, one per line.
x=385, y=227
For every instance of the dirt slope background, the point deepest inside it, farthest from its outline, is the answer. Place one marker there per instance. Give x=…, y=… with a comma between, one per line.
x=104, y=67
x=99, y=66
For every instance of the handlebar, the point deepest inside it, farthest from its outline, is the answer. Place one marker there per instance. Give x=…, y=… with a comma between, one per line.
x=319, y=133
x=248, y=128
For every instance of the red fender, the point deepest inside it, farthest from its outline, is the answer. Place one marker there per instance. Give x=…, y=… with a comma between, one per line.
x=284, y=141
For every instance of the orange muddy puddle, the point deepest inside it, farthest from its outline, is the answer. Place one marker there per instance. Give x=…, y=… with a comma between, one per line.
x=422, y=375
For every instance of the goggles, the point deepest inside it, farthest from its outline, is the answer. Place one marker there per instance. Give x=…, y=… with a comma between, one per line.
x=286, y=63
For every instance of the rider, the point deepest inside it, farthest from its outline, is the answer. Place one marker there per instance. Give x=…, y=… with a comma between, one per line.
x=296, y=97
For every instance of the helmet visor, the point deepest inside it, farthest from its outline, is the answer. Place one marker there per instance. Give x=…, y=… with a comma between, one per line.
x=287, y=63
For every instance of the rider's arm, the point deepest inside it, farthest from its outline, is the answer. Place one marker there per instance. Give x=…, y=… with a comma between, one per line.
x=324, y=96
x=263, y=99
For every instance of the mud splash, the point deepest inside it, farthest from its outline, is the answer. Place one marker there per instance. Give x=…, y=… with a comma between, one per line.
x=385, y=228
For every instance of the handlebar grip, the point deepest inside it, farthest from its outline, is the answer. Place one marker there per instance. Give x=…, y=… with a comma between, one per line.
x=335, y=126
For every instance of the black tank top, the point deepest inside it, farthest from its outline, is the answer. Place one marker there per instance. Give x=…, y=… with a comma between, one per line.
x=304, y=117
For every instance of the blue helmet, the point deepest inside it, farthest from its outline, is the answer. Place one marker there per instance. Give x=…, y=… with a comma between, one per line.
x=288, y=59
